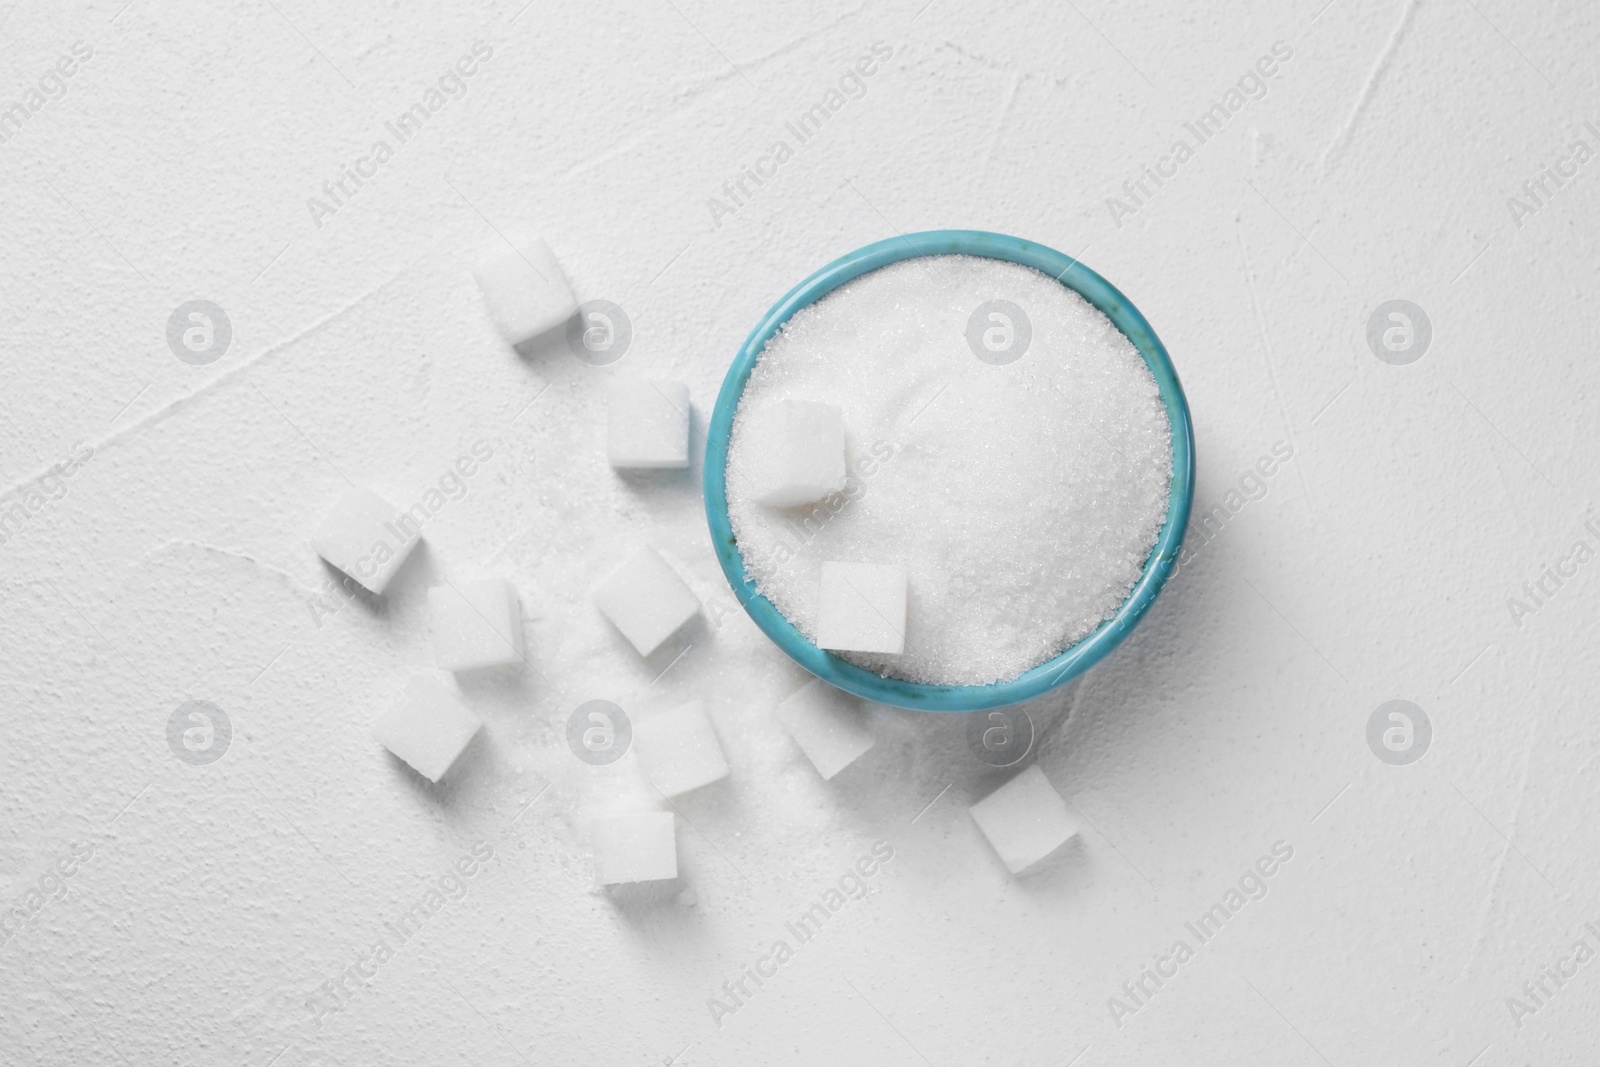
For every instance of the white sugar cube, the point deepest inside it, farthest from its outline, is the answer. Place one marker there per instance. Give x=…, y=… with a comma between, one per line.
x=646, y=600
x=647, y=425
x=524, y=288
x=367, y=537
x=1025, y=820
x=428, y=728
x=797, y=452
x=476, y=625
x=679, y=750
x=863, y=607
x=636, y=848
x=826, y=723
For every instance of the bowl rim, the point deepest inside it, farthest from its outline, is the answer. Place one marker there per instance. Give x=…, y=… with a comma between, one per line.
x=1071, y=662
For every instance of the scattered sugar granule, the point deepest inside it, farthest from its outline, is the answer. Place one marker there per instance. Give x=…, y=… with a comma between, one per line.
x=1023, y=498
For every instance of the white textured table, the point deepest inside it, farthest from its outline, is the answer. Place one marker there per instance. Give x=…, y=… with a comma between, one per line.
x=228, y=912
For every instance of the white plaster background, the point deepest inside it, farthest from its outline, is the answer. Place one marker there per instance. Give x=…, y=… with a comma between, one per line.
x=1378, y=566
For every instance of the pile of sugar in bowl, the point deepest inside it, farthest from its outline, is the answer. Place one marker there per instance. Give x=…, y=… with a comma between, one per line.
x=1005, y=449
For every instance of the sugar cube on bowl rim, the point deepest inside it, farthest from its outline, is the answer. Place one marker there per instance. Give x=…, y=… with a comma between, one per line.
x=1073, y=661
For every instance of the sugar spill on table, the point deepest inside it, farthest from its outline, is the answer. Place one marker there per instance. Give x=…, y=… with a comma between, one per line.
x=1022, y=489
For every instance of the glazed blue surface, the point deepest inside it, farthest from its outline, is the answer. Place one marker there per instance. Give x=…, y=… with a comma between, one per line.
x=1070, y=663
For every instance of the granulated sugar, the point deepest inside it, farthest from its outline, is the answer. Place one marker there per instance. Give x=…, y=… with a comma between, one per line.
x=1023, y=498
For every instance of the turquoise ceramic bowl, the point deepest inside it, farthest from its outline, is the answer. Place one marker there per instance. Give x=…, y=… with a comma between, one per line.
x=1070, y=663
